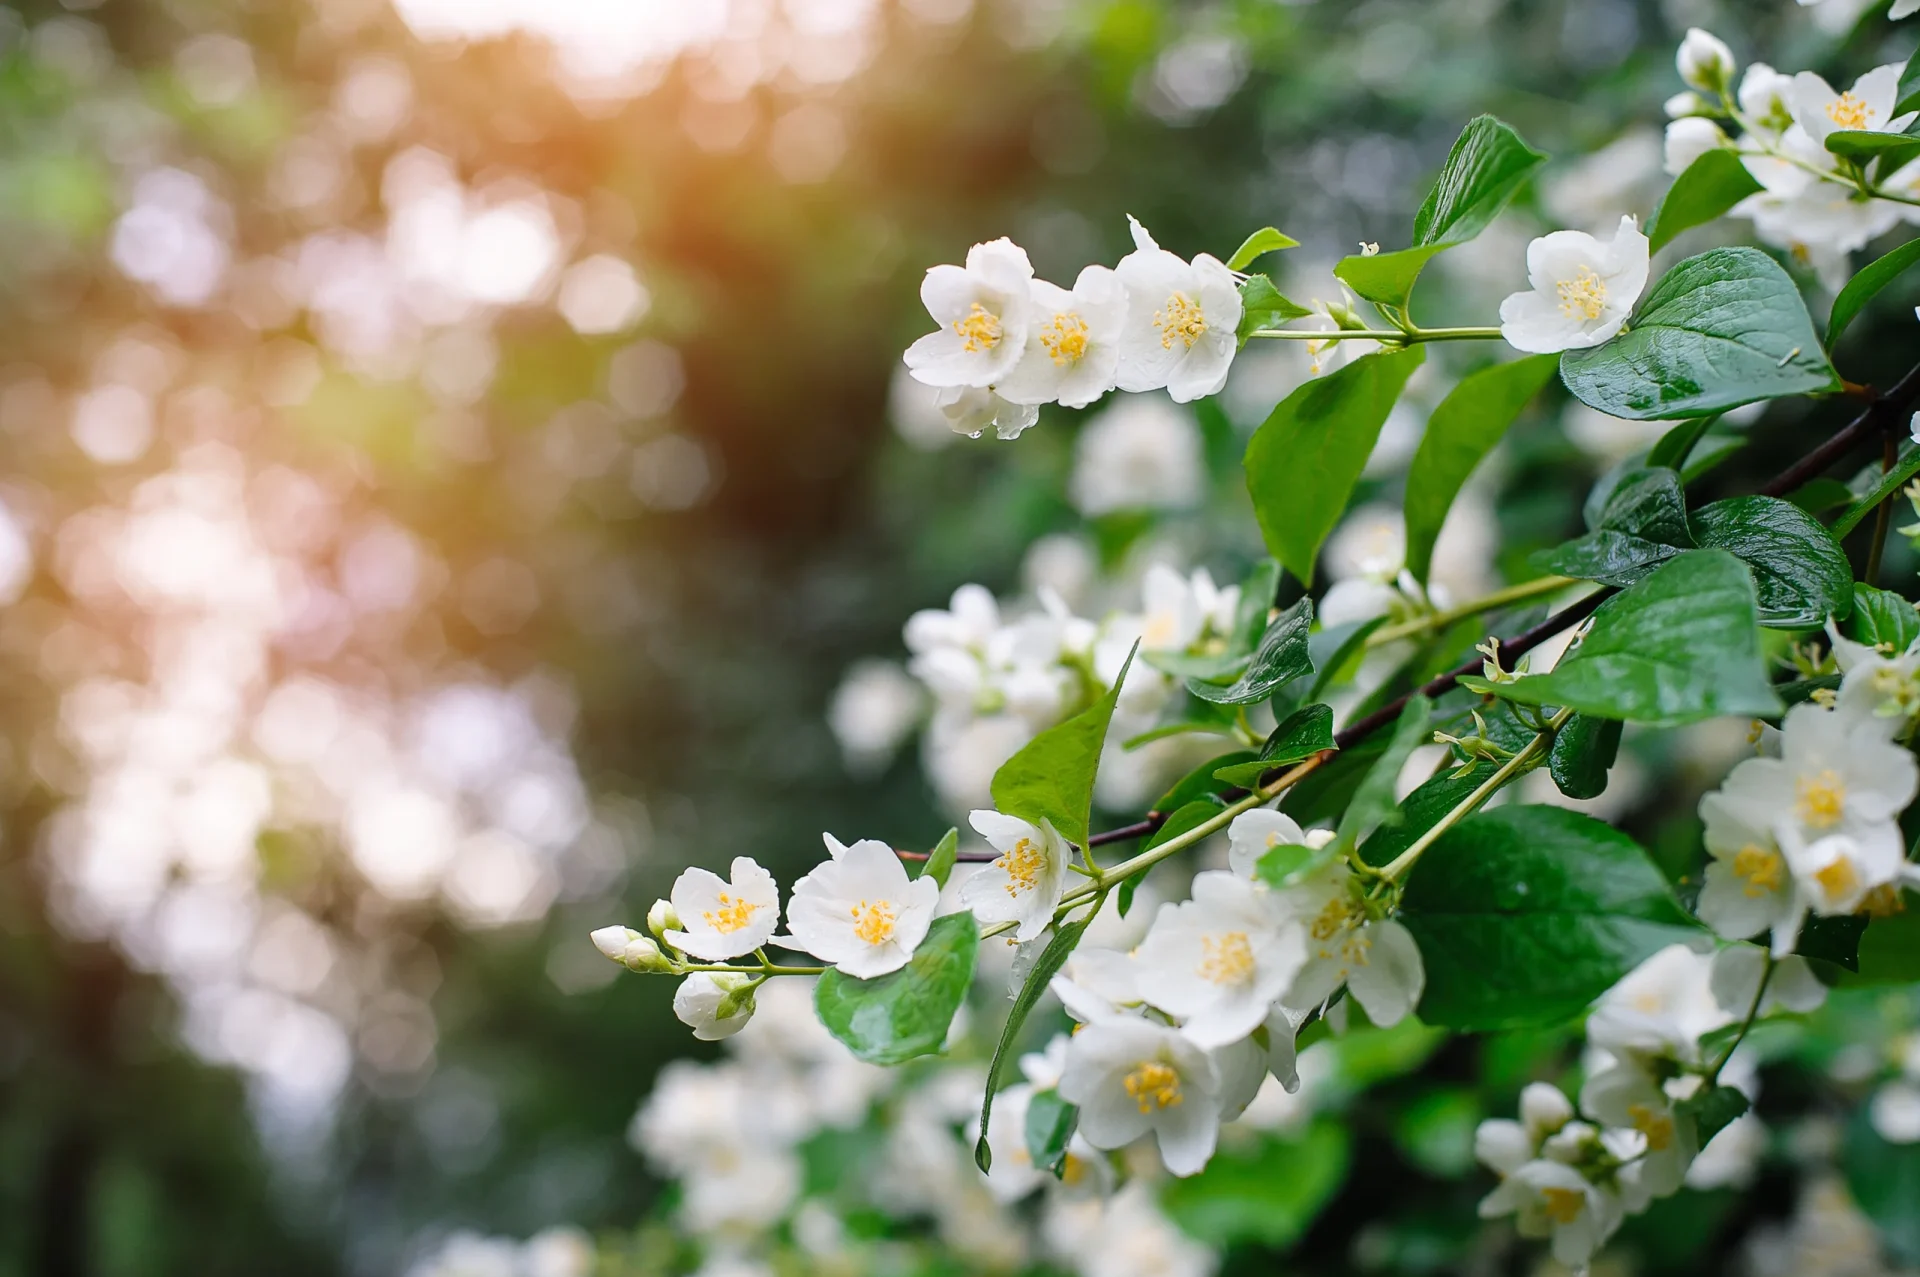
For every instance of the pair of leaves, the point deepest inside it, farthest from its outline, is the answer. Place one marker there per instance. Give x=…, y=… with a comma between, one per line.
x=1261, y=304
x=1300, y=735
x=1281, y=657
x=1680, y=646
x=1526, y=914
x=904, y=1014
x=1720, y=329
x=1488, y=163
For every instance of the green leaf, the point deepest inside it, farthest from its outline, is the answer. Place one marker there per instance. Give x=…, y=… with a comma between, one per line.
x=1264, y=1192
x=1835, y=940
x=1262, y=305
x=1051, y=777
x=1051, y=1122
x=1200, y=782
x=1713, y=1110
x=1800, y=574
x=1883, y=489
x=1817, y=496
x=1463, y=429
x=1325, y=791
x=1674, y=446
x=904, y=1014
x=1422, y=810
x=1642, y=525
x=1065, y=937
x=1335, y=648
x=1488, y=163
x=1681, y=646
x=1719, y=330
x=1861, y=289
x=1186, y=727
x=1863, y=146
x=1889, y=949
x=1709, y=187
x=1524, y=915
x=1909, y=90
x=1882, y=617
x=1259, y=244
x=1250, y=615
x=1885, y=1180
x=1305, y=458
x=1300, y=735
x=1583, y=752
x=1372, y=804
x=1210, y=668
x=1281, y=657
x=939, y=862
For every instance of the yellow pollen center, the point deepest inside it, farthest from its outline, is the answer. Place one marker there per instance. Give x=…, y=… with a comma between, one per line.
x=979, y=330
x=1849, y=112
x=1073, y=1170
x=1332, y=920
x=1563, y=1204
x=1822, y=799
x=1883, y=901
x=1159, y=631
x=733, y=914
x=1656, y=1126
x=1065, y=338
x=1153, y=1085
x=1228, y=959
x=1585, y=295
x=1022, y=866
x=1838, y=879
x=1181, y=320
x=873, y=921
x=1762, y=870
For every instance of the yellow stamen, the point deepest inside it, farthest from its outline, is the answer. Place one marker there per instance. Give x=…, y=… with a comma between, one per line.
x=733, y=914
x=1838, y=879
x=1065, y=338
x=1585, y=295
x=1336, y=917
x=1182, y=320
x=1153, y=1085
x=1228, y=958
x=1762, y=870
x=1022, y=866
x=1849, y=112
x=1822, y=799
x=1655, y=1125
x=979, y=330
x=1884, y=901
x=873, y=921
x=1564, y=1204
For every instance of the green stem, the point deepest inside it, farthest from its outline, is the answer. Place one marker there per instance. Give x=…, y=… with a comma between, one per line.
x=1442, y=619
x=1391, y=336
x=734, y=968
x=1522, y=761
x=1746, y=1025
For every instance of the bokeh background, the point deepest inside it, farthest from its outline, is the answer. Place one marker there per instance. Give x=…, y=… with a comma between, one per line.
x=452, y=450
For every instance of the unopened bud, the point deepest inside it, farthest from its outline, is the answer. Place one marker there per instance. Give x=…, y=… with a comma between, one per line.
x=1705, y=62
x=630, y=949
x=662, y=919
x=1686, y=104
x=715, y=1006
x=1544, y=1109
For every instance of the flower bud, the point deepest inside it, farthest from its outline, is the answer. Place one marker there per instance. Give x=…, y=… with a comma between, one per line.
x=1705, y=62
x=715, y=1006
x=1687, y=103
x=662, y=919
x=1765, y=95
x=1572, y=1143
x=1502, y=1145
x=631, y=949
x=1544, y=1109
x=1688, y=140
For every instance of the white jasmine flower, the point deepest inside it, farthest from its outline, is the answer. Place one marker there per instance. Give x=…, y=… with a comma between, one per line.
x=1895, y=1113
x=1544, y=1109
x=1747, y=888
x=1255, y=833
x=969, y=622
x=1097, y=984
x=1182, y=320
x=1219, y=960
x=1866, y=107
x=721, y=919
x=1024, y=883
x=1877, y=685
x=982, y=309
x=1376, y=958
x=969, y=410
x=1139, y=454
x=1130, y=1077
x=714, y=1006
x=1659, y=1010
x=1837, y=874
x=1766, y=98
x=1738, y=969
x=860, y=912
x=1549, y=1199
x=1073, y=342
x=1627, y=1098
x=1180, y=610
x=1688, y=139
x=1582, y=290
x=872, y=712
x=1705, y=62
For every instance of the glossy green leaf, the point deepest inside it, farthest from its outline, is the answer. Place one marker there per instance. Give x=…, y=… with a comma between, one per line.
x=1266, y=1191
x=1714, y=1109
x=1334, y=649
x=1677, y=444
x=1882, y=618
x=1709, y=187
x=1908, y=94
x=1800, y=574
x=1862, y=288
x=939, y=862
x=1301, y=734
x=1681, y=646
x=1582, y=755
x=1863, y=146
x=1817, y=496
x=1305, y=458
x=1488, y=163
x=1066, y=937
x=1422, y=809
x=1464, y=429
x=1200, y=782
x=1835, y=940
x=1281, y=657
x=1051, y=1122
x=1721, y=329
x=1372, y=804
x=1252, y=614
x=1642, y=525
x=1888, y=951
x=1884, y=489
x=1263, y=241
x=1051, y=777
x=1884, y=1179
x=1524, y=915
x=904, y=1014
x=1262, y=305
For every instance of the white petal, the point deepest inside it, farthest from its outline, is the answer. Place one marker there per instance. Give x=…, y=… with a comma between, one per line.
x=1389, y=984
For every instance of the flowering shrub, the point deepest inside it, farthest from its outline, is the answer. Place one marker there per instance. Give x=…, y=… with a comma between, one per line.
x=1373, y=890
